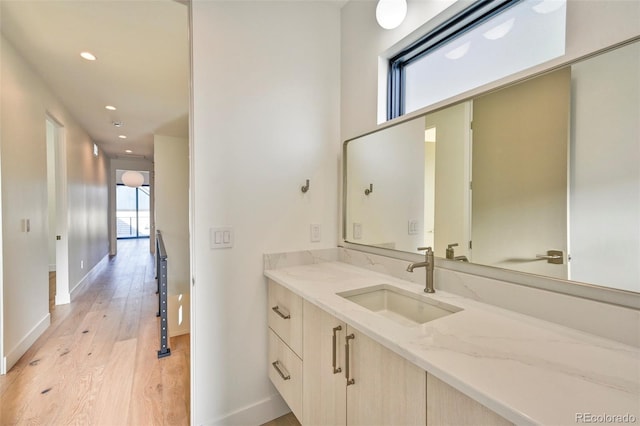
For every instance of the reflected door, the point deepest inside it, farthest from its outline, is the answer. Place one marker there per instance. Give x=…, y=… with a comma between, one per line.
x=519, y=193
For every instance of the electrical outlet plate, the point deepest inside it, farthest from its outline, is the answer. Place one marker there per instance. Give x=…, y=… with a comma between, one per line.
x=413, y=227
x=315, y=233
x=357, y=231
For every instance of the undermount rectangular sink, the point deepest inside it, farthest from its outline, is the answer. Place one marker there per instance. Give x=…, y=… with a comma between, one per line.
x=399, y=305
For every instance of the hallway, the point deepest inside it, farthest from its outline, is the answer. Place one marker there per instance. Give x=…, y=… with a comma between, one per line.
x=97, y=363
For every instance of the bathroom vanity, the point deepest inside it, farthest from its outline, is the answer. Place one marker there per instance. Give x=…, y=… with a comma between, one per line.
x=353, y=339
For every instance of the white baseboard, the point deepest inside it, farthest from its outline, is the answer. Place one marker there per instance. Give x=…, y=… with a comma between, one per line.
x=63, y=298
x=52, y=268
x=74, y=291
x=256, y=414
x=23, y=346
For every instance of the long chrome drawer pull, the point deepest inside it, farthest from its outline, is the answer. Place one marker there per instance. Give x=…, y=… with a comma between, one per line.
x=276, y=309
x=350, y=381
x=335, y=337
x=278, y=367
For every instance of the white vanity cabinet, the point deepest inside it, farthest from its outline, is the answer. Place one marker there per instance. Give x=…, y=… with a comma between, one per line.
x=372, y=385
x=285, y=345
x=369, y=385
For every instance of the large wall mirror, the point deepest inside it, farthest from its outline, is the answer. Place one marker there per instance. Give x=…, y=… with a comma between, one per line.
x=541, y=177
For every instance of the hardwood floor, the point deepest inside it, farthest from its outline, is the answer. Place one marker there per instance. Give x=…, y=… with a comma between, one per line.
x=97, y=363
x=286, y=420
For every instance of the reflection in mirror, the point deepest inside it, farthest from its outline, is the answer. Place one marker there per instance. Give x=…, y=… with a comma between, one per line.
x=539, y=177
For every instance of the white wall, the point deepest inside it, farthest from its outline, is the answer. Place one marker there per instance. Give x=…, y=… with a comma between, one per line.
x=397, y=196
x=26, y=101
x=605, y=175
x=591, y=26
x=171, y=171
x=265, y=119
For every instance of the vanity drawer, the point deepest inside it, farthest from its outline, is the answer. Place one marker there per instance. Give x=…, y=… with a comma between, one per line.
x=285, y=316
x=285, y=372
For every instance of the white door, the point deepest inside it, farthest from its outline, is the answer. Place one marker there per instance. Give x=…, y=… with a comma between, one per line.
x=60, y=231
x=519, y=195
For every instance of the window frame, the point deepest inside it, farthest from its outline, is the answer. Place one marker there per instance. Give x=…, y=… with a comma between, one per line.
x=477, y=13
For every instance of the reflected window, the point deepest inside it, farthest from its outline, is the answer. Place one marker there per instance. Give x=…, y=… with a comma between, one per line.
x=133, y=217
x=484, y=43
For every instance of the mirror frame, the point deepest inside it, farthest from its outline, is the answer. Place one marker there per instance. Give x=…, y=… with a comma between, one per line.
x=623, y=298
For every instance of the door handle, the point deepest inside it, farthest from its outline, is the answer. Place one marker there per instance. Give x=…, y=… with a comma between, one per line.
x=553, y=256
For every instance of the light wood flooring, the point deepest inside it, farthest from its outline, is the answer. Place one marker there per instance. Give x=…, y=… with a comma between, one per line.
x=97, y=363
x=286, y=420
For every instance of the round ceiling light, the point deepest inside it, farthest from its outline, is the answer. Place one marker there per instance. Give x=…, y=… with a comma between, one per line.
x=110, y=107
x=132, y=179
x=88, y=56
x=122, y=136
x=391, y=13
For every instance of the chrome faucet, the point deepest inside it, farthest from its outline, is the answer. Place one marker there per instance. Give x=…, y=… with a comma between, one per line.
x=428, y=264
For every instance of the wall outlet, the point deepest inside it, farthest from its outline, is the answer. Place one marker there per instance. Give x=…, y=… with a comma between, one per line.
x=413, y=227
x=315, y=233
x=82, y=264
x=357, y=231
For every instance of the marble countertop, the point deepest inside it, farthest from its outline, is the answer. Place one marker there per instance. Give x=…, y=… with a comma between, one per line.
x=527, y=370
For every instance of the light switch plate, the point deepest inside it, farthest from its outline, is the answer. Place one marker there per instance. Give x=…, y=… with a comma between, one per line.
x=221, y=237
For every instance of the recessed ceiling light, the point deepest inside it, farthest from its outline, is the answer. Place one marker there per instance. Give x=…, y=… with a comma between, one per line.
x=88, y=56
x=110, y=107
x=128, y=151
x=122, y=137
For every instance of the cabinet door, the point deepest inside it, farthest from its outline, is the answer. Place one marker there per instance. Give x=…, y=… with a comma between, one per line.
x=324, y=391
x=447, y=406
x=386, y=389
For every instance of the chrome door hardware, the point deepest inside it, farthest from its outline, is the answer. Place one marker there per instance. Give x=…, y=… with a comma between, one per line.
x=552, y=256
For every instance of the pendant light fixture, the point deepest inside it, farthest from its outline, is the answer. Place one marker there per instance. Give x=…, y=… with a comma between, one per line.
x=132, y=179
x=391, y=13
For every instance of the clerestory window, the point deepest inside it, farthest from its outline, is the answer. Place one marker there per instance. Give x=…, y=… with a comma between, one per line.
x=487, y=41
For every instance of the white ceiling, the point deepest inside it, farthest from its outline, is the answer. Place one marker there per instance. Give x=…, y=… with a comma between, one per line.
x=142, y=65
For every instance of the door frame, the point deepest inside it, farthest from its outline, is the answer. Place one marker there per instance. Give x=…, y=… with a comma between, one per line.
x=63, y=295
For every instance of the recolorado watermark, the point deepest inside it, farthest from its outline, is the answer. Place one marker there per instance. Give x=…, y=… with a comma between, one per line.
x=605, y=418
